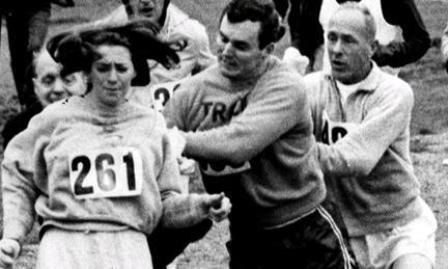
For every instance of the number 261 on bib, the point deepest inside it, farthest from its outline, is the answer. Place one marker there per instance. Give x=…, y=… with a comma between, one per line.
x=115, y=172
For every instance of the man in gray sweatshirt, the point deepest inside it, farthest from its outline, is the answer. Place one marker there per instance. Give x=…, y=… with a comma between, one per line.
x=248, y=123
x=362, y=119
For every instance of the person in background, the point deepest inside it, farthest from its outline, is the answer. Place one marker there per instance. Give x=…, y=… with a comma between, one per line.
x=282, y=7
x=247, y=122
x=100, y=171
x=27, y=25
x=292, y=56
x=362, y=122
x=401, y=34
x=49, y=87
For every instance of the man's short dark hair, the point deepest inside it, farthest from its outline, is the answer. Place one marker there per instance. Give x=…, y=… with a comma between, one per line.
x=262, y=11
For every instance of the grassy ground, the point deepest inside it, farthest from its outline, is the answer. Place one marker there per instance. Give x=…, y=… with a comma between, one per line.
x=429, y=125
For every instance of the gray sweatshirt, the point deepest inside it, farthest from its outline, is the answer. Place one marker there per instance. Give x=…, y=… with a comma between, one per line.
x=366, y=156
x=83, y=168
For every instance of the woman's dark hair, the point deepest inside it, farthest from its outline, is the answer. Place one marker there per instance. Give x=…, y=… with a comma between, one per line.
x=262, y=11
x=76, y=51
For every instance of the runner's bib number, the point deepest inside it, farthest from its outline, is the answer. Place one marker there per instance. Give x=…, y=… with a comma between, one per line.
x=115, y=172
x=334, y=131
x=161, y=93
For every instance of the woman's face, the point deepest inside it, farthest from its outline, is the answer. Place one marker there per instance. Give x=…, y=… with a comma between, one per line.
x=111, y=75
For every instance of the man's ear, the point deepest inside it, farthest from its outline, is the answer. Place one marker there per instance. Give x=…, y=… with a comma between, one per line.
x=374, y=46
x=35, y=83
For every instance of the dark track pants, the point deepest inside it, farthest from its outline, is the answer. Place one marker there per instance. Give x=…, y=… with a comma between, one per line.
x=312, y=242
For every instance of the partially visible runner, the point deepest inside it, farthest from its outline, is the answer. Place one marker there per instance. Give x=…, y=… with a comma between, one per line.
x=248, y=123
x=362, y=119
x=98, y=170
x=49, y=86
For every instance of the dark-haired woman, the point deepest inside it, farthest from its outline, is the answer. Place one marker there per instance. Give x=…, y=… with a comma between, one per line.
x=99, y=171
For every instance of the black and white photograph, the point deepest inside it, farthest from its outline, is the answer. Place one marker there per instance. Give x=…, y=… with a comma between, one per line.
x=214, y=134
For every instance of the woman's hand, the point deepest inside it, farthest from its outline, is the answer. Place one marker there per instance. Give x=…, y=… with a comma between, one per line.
x=220, y=207
x=181, y=211
x=9, y=252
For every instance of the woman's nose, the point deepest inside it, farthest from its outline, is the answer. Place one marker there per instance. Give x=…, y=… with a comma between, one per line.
x=113, y=76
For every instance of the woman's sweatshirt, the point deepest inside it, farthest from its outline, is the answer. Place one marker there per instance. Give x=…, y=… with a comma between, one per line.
x=84, y=168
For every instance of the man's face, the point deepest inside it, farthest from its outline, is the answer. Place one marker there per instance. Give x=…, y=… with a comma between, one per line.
x=51, y=87
x=348, y=47
x=150, y=9
x=239, y=55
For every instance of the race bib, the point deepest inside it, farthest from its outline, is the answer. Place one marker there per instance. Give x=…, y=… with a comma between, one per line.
x=221, y=169
x=161, y=93
x=332, y=131
x=114, y=172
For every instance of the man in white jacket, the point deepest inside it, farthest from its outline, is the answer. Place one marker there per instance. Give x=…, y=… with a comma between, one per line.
x=362, y=118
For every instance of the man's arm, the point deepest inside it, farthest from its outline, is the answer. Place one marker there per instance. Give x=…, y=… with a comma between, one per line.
x=197, y=50
x=403, y=13
x=359, y=151
x=269, y=114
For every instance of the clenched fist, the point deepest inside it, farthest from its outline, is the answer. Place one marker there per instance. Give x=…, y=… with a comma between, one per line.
x=9, y=252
